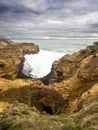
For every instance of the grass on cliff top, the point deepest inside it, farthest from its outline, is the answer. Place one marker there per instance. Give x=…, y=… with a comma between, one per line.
x=22, y=117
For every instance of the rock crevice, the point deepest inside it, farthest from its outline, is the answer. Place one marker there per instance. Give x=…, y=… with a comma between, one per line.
x=70, y=78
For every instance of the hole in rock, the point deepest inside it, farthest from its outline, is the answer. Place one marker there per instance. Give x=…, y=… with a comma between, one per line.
x=2, y=65
x=47, y=109
x=48, y=100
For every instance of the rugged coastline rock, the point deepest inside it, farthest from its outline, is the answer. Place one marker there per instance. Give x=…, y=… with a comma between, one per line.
x=75, y=74
x=33, y=93
x=15, y=86
x=72, y=64
x=11, y=56
x=71, y=89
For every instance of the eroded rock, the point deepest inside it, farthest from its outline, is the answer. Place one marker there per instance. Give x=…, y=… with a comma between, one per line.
x=11, y=57
x=48, y=100
x=75, y=74
x=33, y=93
x=71, y=77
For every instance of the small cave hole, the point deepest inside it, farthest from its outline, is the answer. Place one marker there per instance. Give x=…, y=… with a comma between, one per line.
x=47, y=109
x=2, y=65
x=59, y=73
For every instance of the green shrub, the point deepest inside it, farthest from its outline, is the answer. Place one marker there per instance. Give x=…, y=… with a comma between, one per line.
x=76, y=127
x=22, y=124
x=6, y=123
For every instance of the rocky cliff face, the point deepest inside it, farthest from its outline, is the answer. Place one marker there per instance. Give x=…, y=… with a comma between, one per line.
x=11, y=57
x=15, y=86
x=75, y=64
x=75, y=74
x=72, y=86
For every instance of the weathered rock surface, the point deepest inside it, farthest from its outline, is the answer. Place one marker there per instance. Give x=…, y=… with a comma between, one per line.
x=18, y=89
x=85, y=60
x=11, y=57
x=72, y=86
x=32, y=92
x=75, y=74
x=48, y=100
x=13, y=86
x=71, y=77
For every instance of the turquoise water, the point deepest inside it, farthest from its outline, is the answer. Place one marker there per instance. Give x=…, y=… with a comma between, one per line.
x=39, y=65
x=66, y=45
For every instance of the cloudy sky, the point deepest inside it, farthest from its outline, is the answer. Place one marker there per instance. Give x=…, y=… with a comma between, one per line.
x=49, y=18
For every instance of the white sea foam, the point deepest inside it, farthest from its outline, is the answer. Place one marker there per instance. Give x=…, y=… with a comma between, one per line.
x=39, y=65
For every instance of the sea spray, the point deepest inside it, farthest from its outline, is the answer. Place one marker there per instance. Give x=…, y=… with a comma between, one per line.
x=39, y=65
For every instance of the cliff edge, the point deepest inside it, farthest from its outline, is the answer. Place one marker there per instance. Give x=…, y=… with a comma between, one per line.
x=12, y=56
x=69, y=92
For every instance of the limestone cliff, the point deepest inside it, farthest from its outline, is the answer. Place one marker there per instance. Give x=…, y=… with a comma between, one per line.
x=11, y=57
x=15, y=86
x=85, y=60
x=75, y=74
x=72, y=85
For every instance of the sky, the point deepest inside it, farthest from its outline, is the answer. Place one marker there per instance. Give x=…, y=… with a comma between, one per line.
x=48, y=19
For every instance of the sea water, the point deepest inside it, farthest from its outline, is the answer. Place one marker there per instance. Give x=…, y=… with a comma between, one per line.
x=39, y=65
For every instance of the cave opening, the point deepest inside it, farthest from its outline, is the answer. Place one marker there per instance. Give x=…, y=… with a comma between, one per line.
x=47, y=109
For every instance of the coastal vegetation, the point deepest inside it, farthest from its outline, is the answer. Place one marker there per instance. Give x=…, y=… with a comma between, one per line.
x=67, y=98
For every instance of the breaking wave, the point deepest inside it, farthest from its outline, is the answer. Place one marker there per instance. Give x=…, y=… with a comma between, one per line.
x=39, y=65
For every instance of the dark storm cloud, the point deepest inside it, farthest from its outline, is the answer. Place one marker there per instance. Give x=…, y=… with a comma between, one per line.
x=4, y=8
x=48, y=18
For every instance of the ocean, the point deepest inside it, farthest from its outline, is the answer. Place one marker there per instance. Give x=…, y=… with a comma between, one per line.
x=39, y=65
